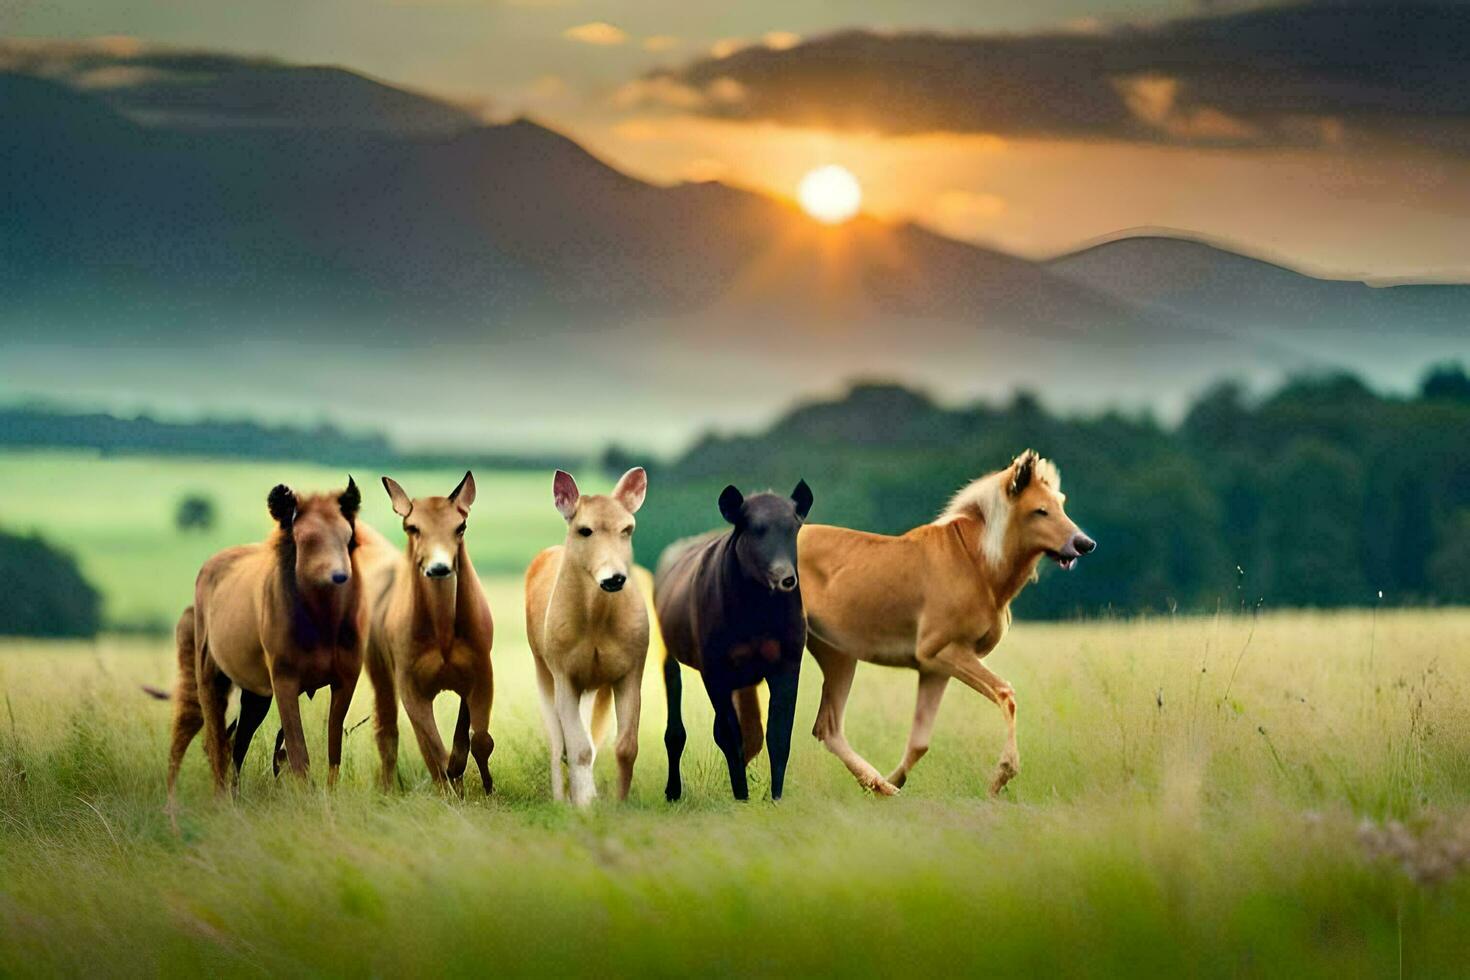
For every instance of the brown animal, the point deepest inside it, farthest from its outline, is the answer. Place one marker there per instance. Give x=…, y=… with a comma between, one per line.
x=430, y=632
x=936, y=599
x=588, y=629
x=277, y=619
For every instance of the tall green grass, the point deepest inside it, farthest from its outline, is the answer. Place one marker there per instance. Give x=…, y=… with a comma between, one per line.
x=1193, y=800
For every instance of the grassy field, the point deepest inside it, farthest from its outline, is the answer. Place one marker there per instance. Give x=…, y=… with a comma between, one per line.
x=1210, y=796
x=1283, y=794
x=117, y=516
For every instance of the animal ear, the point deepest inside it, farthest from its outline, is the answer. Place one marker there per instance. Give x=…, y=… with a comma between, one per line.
x=731, y=501
x=631, y=489
x=1022, y=470
x=802, y=498
x=282, y=504
x=351, y=499
x=564, y=493
x=464, y=494
x=401, y=504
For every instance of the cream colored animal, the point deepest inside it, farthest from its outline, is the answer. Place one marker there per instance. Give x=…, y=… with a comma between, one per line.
x=588, y=628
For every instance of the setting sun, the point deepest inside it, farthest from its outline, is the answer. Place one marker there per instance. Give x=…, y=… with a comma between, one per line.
x=831, y=194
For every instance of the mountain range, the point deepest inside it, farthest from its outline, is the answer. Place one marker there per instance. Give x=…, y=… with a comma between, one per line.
x=266, y=236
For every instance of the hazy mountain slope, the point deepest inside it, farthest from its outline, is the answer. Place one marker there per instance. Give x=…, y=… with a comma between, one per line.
x=1197, y=279
x=508, y=217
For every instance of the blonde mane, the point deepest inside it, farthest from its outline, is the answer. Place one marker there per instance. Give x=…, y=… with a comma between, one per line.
x=987, y=501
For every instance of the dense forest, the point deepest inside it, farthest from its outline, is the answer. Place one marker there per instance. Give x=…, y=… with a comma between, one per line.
x=1323, y=493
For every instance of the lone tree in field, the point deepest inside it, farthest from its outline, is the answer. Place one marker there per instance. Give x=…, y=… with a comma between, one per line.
x=45, y=593
x=195, y=513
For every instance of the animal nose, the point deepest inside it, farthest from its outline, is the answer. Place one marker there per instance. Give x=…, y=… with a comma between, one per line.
x=788, y=583
x=1084, y=544
x=613, y=583
x=438, y=570
x=339, y=578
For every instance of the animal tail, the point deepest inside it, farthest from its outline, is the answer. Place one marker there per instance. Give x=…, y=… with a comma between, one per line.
x=602, y=715
x=157, y=693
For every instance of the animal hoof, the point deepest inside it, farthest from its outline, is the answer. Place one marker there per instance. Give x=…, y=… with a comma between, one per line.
x=1004, y=773
x=883, y=787
x=898, y=779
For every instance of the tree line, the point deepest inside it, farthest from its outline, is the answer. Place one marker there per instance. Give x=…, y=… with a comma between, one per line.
x=1322, y=493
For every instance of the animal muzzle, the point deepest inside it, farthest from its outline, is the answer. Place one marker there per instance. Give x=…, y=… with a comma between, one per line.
x=438, y=564
x=782, y=579
x=1067, y=556
x=613, y=582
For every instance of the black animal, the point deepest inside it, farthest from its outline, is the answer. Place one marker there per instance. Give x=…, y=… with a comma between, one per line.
x=729, y=605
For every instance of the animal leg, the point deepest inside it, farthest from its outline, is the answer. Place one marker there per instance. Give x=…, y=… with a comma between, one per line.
x=478, y=714
x=385, y=721
x=188, y=717
x=748, y=710
x=555, y=741
x=926, y=710
x=578, y=742
x=459, y=748
x=253, y=708
x=629, y=705
x=602, y=716
x=288, y=706
x=838, y=670
x=336, y=720
x=674, y=734
x=214, y=697
x=421, y=716
x=727, y=736
x=961, y=662
x=782, y=712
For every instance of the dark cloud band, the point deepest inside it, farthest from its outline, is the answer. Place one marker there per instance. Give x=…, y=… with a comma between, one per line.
x=1317, y=74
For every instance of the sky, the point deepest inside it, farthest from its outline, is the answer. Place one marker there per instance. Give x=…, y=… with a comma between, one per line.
x=1033, y=127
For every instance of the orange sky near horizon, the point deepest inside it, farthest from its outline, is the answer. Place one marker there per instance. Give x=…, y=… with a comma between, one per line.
x=1039, y=197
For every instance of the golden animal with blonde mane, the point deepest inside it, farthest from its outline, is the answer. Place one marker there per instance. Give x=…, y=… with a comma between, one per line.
x=936, y=599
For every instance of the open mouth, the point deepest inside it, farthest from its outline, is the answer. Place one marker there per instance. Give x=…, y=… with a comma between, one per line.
x=1065, y=562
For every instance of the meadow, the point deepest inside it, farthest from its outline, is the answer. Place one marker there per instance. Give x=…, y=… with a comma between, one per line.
x=1237, y=794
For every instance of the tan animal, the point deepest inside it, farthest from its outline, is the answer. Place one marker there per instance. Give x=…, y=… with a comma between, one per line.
x=277, y=619
x=936, y=599
x=430, y=631
x=588, y=628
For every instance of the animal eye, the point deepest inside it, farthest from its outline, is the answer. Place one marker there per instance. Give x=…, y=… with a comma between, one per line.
x=627, y=531
x=585, y=532
x=460, y=530
x=1040, y=512
x=411, y=529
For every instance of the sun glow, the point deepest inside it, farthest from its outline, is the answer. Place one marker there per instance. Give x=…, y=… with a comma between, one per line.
x=831, y=194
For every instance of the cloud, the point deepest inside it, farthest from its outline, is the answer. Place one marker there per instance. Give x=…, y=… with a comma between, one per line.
x=661, y=42
x=1309, y=75
x=726, y=46
x=598, y=32
x=780, y=40
x=663, y=92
